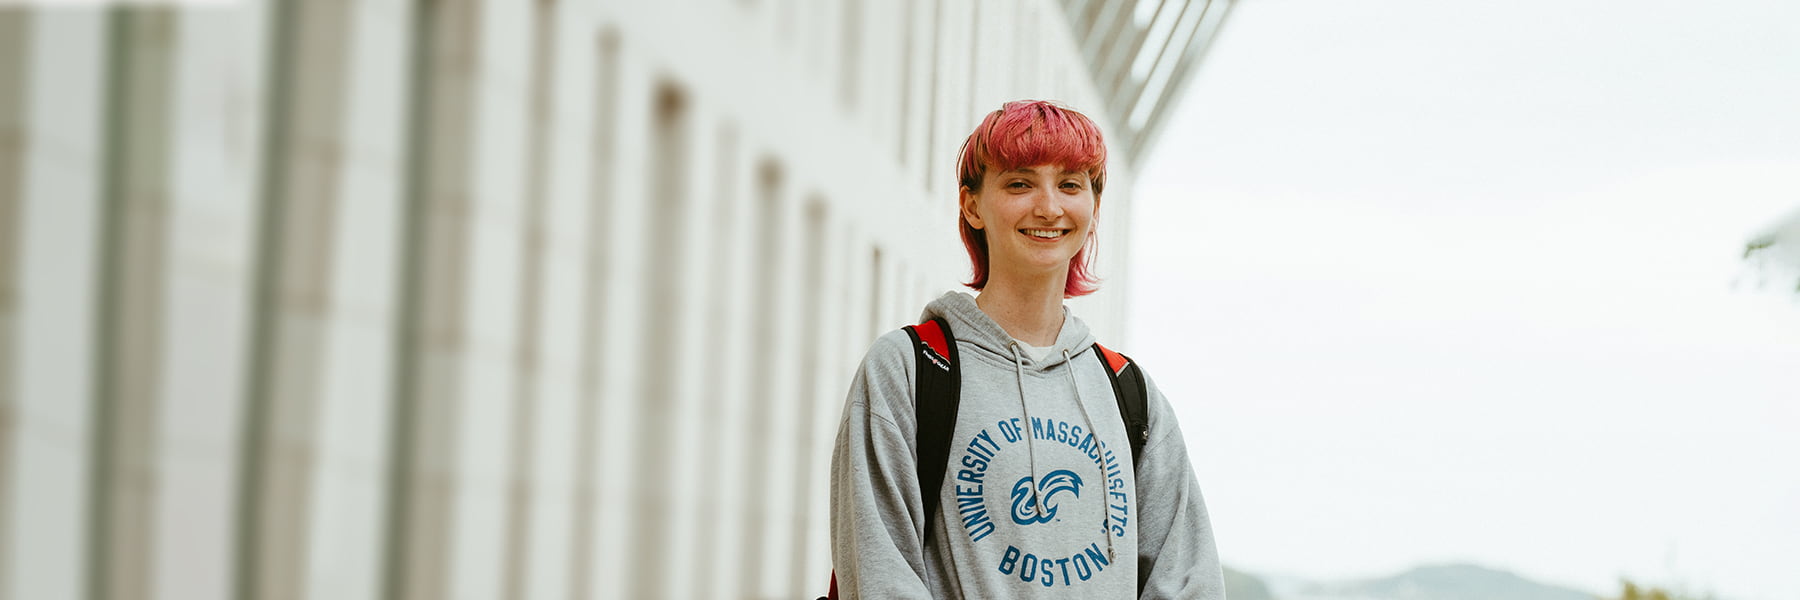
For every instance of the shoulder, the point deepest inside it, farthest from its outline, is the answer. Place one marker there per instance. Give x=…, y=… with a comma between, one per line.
x=1160, y=411
x=1153, y=392
x=890, y=351
x=887, y=369
x=883, y=387
x=1156, y=404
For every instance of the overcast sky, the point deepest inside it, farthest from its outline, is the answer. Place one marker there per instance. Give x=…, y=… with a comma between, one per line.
x=1460, y=281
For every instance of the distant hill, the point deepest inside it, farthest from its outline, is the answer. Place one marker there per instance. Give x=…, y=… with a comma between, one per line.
x=1447, y=582
x=1244, y=586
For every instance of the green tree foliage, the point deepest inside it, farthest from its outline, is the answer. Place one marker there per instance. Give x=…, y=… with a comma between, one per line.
x=1629, y=590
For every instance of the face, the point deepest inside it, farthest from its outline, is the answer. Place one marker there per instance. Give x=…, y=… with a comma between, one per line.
x=1035, y=218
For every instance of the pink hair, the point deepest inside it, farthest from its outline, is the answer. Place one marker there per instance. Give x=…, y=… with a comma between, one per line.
x=1026, y=133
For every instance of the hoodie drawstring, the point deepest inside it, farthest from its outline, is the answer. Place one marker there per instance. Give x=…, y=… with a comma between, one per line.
x=1031, y=452
x=1088, y=420
x=1037, y=504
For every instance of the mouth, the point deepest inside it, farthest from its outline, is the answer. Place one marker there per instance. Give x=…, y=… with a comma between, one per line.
x=1048, y=235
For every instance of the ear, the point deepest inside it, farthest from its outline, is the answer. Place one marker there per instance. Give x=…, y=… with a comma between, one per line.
x=966, y=199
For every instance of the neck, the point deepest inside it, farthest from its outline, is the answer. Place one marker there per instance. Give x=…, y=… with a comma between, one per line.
x=1030, y=311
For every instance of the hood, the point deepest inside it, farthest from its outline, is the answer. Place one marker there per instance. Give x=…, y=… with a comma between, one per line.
x=969, y=324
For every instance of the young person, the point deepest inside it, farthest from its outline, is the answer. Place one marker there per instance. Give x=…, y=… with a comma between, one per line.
x=1041, y=497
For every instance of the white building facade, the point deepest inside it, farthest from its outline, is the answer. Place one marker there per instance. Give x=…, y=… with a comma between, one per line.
x=356, y=299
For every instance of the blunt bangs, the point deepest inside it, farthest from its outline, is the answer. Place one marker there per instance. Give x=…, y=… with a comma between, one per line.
x=1027, y=133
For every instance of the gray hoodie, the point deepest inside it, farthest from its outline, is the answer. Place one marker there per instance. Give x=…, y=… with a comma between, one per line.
x=1040, y=499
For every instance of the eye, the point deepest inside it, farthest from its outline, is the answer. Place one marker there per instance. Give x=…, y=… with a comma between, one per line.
x=1071, y=186
x=1017, y=185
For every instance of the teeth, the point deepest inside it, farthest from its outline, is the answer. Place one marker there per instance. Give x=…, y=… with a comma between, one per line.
x=1044, y=233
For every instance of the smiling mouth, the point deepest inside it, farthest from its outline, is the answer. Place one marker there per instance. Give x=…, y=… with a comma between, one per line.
x=1045, y=234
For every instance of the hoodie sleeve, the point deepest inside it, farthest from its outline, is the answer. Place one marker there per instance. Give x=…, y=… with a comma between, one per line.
x=877, y=529
x=1176, y=555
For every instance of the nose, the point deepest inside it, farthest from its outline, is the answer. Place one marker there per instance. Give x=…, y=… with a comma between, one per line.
x=1044, y=205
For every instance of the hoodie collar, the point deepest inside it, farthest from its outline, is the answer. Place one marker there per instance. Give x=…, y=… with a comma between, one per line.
x=969, y=324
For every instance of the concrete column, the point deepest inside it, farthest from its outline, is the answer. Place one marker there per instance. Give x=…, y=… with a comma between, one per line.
x=47, y=543
x=490, y=285
x=344, y=524
x=563, y=167
x=215, y=77
x=695, y=352
x=619, y=363
x=457, y=362
x=129, y=367
x=726, y=404
x=822, y=304
x=782, y=347
x=300, y=174
x=15, y=36
x=594, y=155
x=527, y=393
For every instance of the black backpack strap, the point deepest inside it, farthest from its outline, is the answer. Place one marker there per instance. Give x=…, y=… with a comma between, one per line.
x=934, y=406
x=1132, y=394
